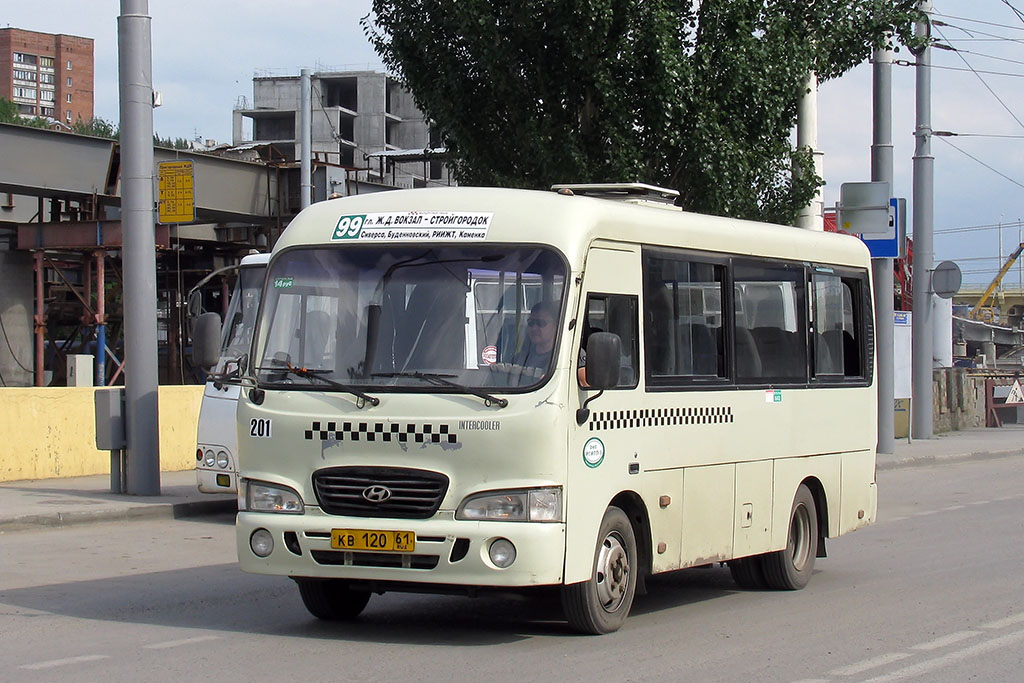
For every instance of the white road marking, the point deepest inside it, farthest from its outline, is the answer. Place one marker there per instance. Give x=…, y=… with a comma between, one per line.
x=947, y=640
x=178, y=643
x=925, y=513
x=63, y=662
x=1011, y=620
x=952, y=658
x=953, y=507
x=874, y=663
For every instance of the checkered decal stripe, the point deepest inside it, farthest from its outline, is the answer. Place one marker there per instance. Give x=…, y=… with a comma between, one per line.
x=660, y=417
x=380, y=431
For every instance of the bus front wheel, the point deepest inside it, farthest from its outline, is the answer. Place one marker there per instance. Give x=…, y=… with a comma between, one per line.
x=602, y=604
x=791, y=568
x=331, y=600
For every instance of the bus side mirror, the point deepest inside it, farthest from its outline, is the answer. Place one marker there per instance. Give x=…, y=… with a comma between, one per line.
x=604, y=360
x=206, y=341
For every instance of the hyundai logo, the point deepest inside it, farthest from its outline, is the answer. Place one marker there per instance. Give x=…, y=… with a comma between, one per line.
x=376, y=493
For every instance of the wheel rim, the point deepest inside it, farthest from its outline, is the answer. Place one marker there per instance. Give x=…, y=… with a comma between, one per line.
x=800, y=537
x=613, y=572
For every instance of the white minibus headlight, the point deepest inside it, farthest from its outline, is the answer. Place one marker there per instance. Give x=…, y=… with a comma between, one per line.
x=526, y=505
x=209, y=458
x=222, y=460
x=546, y=505
x=264, y=497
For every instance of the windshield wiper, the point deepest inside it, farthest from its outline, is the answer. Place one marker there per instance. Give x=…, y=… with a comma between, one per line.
x=443, y=381
x=318, y=376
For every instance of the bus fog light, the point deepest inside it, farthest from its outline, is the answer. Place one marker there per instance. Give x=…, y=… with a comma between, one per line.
x=222, y=460
x=502, y=553
x=261, y=542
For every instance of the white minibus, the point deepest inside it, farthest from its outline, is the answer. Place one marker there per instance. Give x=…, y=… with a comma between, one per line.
x=216, y=438
x=646, y=390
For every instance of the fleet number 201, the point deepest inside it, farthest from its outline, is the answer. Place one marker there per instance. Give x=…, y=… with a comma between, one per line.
x=259, y=428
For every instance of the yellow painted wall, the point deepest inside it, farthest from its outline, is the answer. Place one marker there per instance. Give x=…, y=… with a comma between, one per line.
x=51, y=432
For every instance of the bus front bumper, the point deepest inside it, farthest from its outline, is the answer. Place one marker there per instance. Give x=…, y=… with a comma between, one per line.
x=447, y=551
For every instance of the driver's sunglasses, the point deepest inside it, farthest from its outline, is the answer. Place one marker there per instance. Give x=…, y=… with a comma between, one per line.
x=534, y=322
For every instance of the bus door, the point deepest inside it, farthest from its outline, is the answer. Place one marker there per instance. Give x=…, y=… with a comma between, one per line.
x=604, y=455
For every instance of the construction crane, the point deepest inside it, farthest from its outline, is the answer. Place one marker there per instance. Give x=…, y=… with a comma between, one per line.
x=982, y=312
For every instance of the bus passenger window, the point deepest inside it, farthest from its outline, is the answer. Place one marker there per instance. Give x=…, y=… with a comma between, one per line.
x=683, y=319
x=837, y=339
x=770, y=323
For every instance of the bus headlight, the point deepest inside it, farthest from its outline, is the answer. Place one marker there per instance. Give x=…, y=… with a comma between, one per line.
x=209, y=459
x=223, y=460
x=525, y=505
x=263, y=497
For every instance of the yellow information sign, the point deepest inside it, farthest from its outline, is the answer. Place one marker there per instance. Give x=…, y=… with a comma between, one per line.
x=177, y=202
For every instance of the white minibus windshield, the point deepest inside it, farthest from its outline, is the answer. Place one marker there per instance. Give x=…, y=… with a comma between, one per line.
x=411, y=318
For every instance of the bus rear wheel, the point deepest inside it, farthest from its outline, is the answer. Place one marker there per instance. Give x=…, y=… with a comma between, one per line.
x=331, y=599
x=602, y=604
x=791, y=568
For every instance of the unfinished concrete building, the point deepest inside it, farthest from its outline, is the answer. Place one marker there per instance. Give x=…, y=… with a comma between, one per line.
x=365, y=127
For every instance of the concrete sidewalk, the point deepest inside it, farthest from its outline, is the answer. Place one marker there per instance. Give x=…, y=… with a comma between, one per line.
x=39, y=503
x=57, y=502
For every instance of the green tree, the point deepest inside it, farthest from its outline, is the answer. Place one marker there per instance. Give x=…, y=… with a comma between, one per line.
x=699, y=96
x=97, y=127
x=9, y=114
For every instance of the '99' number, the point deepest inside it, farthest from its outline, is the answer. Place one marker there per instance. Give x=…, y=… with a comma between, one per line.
x=349, y=227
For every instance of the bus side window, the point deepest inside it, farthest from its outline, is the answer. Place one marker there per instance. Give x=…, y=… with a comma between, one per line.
x=770, y=308
x=683, y=319
x=615, y=313
x=837, y=326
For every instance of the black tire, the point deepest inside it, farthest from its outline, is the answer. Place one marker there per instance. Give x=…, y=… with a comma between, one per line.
x=331, y=599
x=602, y=604
x=791, y=569
x=747, y=573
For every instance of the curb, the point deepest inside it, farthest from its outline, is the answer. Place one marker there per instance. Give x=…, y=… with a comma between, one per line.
x=155, y=511
x=903, y=462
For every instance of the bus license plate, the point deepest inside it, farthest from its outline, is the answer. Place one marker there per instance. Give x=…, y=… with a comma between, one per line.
x=364, y=539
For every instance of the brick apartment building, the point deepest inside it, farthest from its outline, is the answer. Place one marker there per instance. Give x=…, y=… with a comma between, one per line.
x=47, y=74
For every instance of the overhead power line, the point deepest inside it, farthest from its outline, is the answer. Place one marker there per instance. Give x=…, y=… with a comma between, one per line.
x=987, y=86
x=904, y=62
x=999, y=173
x=980, y=228
x=994, y=37
x=979, y=21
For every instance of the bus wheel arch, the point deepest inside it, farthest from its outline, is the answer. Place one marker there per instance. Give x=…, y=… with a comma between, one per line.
x=632, y=504
x=817, y=490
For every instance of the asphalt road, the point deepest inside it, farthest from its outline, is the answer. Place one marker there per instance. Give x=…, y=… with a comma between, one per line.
x=933, y=592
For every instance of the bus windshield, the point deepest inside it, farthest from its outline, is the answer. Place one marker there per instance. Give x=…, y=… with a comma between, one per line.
x=241, y=317
x=411, y=317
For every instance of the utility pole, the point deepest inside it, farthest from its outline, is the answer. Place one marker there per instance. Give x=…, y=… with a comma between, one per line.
x=924, y=248
x=882, y=268
x=135, y=77
x=306, y=139
x=812, y=216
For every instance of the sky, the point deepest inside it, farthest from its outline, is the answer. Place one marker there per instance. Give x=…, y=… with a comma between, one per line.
x=205, y=55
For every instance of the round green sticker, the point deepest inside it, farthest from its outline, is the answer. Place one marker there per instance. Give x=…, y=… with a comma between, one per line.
x=593, y=452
